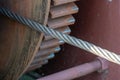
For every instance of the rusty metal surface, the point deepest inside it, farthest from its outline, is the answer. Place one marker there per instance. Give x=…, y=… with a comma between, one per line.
x=63, y=10
x=49, y=46
x=45, y=52
x=38, y=65
x=59, y=2
x=65, y=30
x=50, y=43
x=19, y=44
x=62, y=21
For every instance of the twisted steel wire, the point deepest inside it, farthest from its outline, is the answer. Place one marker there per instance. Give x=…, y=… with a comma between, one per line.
x=110, y=56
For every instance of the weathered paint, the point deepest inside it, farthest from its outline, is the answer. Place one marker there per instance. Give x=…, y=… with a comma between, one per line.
x=19, y=44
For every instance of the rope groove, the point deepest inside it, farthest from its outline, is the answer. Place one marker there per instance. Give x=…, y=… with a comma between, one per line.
x=110, y=56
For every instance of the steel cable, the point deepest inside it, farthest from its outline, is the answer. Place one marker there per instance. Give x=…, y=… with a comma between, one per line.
x=110, y=56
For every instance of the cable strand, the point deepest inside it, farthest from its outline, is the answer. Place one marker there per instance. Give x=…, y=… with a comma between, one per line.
x=110, y=56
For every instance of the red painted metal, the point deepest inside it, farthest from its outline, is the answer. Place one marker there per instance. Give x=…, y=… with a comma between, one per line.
x=98, y=21
x=97, y=65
